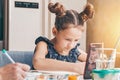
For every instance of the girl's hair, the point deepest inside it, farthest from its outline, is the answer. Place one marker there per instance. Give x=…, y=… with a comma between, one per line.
x=66, y=17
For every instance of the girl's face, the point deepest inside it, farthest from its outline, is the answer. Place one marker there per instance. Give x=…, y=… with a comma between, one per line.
x=68, y=38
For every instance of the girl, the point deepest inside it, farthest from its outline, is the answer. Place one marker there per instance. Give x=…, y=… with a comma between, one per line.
x=62, y=52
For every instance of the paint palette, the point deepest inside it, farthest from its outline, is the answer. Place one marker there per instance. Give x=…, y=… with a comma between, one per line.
x=48, y=75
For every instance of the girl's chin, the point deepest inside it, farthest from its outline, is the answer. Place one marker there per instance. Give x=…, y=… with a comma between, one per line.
x=66, y=50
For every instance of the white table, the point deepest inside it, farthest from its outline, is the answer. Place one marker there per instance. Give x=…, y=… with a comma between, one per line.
x=33, y=74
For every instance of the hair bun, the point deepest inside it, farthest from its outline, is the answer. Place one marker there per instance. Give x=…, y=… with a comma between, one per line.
x=88, y=12
x=56, y=8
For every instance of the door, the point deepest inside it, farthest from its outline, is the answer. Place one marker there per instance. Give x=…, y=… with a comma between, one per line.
x=1, y=24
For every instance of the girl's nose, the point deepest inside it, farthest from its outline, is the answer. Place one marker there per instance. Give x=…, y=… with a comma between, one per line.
x=71, y=45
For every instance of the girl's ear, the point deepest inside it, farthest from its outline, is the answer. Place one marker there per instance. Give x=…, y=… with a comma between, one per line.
x=54, y=31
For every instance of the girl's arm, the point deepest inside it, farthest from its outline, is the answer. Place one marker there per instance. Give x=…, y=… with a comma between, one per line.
x=42, y=63
x=83, y=56
x=0, y=74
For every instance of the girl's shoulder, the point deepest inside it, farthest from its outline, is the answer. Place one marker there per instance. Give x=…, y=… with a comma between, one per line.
x=44, y=39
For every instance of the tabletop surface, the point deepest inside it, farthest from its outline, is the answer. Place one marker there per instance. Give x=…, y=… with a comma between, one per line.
x=54, y=75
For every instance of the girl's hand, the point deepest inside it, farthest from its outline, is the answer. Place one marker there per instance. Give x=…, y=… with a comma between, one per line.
x=15, y=71
x=79, y=67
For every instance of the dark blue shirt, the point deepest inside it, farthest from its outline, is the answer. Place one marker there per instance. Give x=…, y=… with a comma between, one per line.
x=53, y=54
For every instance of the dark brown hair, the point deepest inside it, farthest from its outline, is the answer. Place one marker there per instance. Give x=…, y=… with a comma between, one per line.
x=65, y=17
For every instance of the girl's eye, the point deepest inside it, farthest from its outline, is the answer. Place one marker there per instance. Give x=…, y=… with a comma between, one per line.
x=76, y=40
x=71, y=40
x=68, y=39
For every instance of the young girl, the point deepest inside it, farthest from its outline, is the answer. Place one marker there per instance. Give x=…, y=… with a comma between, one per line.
x=62, y=52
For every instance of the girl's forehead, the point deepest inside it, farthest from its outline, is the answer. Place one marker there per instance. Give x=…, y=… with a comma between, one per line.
x=80, y=27
x=71, y=32
x=74, y=26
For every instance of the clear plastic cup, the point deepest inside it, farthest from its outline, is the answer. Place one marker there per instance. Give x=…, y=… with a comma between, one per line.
x=105, y=64
x=106, y=58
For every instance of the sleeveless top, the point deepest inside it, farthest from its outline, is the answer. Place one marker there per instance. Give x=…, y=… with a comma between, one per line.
x=53, y=54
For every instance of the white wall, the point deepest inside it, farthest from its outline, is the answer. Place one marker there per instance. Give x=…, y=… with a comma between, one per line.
x=25, y=25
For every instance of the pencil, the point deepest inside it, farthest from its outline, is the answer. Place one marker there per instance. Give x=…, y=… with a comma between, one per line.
x=8, y=56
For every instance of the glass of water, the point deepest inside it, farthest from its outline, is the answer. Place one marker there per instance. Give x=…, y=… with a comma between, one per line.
x=106, y=58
